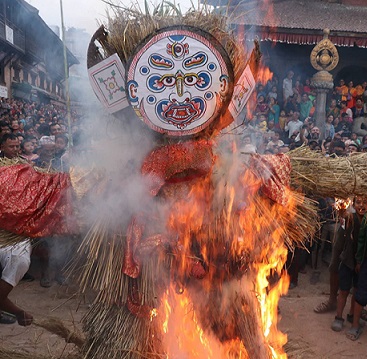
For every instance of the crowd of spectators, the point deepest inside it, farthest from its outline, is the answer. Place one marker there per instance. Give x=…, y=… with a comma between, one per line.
x=283, y=118
x=38, y=134
x=42, y=131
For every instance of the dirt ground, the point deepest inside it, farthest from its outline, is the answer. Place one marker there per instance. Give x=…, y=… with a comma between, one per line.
x=309, y=334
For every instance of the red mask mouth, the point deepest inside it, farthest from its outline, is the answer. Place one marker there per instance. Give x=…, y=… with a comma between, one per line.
x=180, y=114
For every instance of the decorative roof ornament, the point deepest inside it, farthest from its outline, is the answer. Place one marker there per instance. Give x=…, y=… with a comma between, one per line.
x=324, y=55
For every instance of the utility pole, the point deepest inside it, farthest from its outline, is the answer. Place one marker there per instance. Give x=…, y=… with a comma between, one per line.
x=67, y=92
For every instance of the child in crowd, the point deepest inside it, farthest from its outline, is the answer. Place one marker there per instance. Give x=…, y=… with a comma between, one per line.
x=282, y=119
x=27, y=150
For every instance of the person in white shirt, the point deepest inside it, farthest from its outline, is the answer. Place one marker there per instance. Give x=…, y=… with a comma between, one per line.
x=14, y=262
x=294, y=126
x=275, y=141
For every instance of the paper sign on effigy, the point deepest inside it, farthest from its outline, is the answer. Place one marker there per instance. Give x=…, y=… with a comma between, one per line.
x=108, y=81
x=242, y=92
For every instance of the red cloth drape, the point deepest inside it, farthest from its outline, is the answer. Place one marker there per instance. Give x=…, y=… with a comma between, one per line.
x=275, y=173
x=35, y=204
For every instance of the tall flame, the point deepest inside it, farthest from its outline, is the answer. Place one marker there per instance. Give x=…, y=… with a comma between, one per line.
x=231, y=242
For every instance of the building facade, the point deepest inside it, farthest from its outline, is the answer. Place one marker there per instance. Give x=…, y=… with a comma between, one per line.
x=31, y=55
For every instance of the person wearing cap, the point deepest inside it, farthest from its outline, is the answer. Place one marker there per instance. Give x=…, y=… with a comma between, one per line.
x=352, y=147
x=337, y=148
x=344, y=125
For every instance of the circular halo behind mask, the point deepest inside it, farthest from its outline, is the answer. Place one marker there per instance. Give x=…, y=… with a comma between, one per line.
x=179, y=81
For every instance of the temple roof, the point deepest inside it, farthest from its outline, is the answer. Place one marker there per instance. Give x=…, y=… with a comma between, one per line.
x=304, y=14
x=302, y=21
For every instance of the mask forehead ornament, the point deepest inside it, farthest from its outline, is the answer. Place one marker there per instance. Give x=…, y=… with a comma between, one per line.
x=179, y=81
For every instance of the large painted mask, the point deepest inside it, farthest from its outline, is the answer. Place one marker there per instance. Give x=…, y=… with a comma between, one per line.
x=179, y=81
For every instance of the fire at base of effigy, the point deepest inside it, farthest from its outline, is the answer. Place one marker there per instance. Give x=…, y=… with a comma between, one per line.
x=208, y=283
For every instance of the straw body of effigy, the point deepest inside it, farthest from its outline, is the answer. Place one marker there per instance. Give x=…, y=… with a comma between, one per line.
x=322, y=176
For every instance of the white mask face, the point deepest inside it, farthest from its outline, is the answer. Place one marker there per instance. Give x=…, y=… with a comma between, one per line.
x=179, y=82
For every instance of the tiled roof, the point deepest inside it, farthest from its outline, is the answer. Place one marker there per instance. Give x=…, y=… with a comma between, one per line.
x=303, y=14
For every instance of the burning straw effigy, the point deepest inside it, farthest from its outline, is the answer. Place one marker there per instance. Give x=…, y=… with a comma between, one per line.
x=188, y=274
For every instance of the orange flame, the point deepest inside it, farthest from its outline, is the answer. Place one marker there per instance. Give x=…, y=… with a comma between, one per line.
x=231, y=241
x=263, y=76
x=341, y=203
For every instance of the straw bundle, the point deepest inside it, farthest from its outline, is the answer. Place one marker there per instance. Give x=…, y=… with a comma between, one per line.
x=115, y=333
x=99, y=261
x=300, y=222
x=56, y=326
x=99, y=267
x=328, y=176
x=298, y=349
x=230, y=312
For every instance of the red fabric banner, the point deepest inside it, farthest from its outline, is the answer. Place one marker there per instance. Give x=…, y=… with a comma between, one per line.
x=35, y=204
